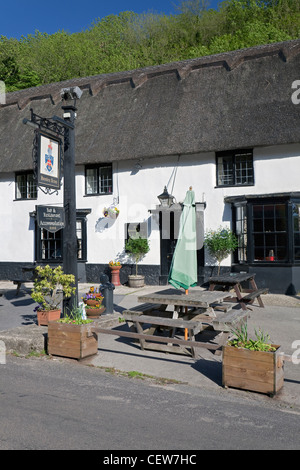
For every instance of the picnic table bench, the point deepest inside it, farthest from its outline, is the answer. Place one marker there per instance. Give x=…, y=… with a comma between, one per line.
x=233, y=281
x=155, y=327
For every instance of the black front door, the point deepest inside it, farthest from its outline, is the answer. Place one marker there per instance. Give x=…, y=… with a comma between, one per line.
x=169, y=229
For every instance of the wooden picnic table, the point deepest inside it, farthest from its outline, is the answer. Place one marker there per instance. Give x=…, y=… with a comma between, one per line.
x=233, y=281
x=193, y=312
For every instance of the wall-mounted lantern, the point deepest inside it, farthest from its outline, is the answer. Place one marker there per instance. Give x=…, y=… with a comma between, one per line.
x=166, y=199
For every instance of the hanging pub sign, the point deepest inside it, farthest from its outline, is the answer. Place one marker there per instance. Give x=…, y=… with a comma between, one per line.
x=50, y=218
x=49, y=161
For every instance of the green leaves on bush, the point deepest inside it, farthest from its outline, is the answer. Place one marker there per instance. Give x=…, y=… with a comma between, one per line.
x=220, y=243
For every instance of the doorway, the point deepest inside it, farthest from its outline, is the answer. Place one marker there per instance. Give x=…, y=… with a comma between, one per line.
x=169, y=229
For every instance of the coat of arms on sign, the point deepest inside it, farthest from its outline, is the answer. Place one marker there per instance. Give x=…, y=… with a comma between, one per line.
x=49, y=158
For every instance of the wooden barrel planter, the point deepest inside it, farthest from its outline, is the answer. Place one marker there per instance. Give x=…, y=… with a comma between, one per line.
x=257, y=371
x=73, y=341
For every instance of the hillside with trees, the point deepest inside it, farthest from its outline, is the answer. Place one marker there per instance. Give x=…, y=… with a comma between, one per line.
x=129, y=40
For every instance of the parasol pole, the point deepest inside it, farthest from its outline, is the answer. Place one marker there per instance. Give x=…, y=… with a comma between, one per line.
x=186, y=293
x=186, y=310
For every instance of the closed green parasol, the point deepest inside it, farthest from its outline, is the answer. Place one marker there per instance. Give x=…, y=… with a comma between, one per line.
x=183, y=271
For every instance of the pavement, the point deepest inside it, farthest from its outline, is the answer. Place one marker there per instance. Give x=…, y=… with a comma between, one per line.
x=280, y=319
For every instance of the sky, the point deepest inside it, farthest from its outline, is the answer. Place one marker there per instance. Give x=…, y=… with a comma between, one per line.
x=22, y=17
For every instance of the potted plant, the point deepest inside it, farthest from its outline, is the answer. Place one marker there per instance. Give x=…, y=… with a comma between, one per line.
x=111, y=212
x=220, y=243
x=137, y=247
x=93, y=301
x=252, y=364
x=72, y=336
x=115, y=267
x=50, y=285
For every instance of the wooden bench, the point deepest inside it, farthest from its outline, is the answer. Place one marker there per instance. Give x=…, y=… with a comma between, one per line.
x=251, y=296
x=226, y=322
x=19, y=282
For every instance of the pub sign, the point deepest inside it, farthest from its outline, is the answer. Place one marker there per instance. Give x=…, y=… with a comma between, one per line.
x=50, y=218
x=49, y=161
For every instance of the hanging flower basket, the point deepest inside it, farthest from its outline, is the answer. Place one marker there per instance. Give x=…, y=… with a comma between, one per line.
x=112, y=212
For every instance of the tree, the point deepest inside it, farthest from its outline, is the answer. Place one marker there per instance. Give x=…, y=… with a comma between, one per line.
x=138, y=247
x=220, y=243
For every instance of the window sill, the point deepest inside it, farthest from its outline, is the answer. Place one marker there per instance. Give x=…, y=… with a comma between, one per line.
x=233, y=185
x=97, y=194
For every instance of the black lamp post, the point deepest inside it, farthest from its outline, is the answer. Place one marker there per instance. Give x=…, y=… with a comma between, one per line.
x=66, y=128
x=70, y=238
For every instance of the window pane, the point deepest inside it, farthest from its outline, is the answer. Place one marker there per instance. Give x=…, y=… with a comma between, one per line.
x=269, y=226
x=79, y=238
x=32, y=188
x=21, y=187
x=258, y=225
x=241, y=233
x=105, y=179
x=244, y=168
x=51, y=245
x=225, y=171
x=91, y=181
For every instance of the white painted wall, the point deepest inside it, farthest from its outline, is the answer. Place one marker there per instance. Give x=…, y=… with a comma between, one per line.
x=276, y=170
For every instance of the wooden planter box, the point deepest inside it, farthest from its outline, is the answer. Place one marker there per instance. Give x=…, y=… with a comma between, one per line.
x=257, y=371
x=74, y=341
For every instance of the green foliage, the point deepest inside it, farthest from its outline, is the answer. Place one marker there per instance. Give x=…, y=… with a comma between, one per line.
x=261, y=343
x=138, y=247
x=49, y=285
x=75, y=316
x=129, y=40
x=220, y=243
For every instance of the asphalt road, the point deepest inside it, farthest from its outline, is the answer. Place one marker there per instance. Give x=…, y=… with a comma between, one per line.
x=48, y=404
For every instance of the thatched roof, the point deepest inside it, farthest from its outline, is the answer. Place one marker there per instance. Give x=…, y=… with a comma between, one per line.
x=231, y=100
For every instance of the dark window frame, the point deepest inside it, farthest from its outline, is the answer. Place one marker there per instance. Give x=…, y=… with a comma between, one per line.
x=233, y=156
x=98, y=167
x=289, y=201
x=25, y=174
x=82, y=243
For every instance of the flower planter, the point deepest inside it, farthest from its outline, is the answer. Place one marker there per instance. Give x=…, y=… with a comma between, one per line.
x=115, y=275
x=73, y=341
x=136, y=280
x=257, y=371
x=92, y=302
x=44, y=316
x=93, y=313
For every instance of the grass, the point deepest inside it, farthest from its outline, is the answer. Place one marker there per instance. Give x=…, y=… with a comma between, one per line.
x=133, y=374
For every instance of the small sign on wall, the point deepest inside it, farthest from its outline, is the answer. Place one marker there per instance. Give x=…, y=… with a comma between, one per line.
x=50, y=218
x=49, y=161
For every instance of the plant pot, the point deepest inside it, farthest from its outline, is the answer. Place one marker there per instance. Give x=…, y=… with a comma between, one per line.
x=136, y=280
x=115, y=275
x=44, y=316
x=73, y=341
x=93, y=313
x=92, y=302
x=257, y=371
